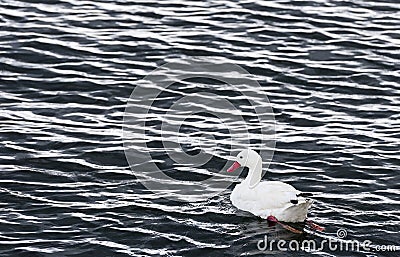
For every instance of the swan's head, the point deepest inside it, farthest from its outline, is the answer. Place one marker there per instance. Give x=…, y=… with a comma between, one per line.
x=246, y=158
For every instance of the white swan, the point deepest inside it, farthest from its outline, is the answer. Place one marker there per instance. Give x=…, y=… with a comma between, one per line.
x=267, y=198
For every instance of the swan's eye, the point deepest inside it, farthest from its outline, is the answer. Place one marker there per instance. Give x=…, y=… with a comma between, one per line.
x=241, y=157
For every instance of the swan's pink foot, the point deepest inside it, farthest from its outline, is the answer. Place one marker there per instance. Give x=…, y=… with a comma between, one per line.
x=314, y=226
x=272, y=220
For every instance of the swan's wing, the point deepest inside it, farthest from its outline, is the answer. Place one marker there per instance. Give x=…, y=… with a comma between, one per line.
x=275, y=194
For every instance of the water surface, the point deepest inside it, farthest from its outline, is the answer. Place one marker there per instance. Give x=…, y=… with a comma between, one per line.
x=330, y=69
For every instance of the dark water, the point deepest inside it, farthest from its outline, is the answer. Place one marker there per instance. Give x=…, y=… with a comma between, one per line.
x=331, y=72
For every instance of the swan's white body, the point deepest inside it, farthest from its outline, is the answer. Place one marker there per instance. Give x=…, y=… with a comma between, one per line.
x=267, y=198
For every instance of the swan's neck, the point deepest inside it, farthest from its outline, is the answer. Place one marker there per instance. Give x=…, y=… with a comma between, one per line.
x=254, y=176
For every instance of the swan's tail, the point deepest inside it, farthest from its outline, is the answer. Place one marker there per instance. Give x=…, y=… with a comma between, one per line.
x=304, y=194
x=297, y=212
